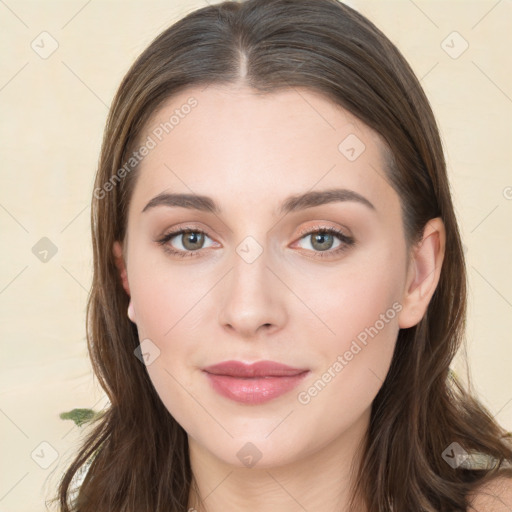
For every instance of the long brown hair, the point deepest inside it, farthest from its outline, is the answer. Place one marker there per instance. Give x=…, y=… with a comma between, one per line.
x=138, y=453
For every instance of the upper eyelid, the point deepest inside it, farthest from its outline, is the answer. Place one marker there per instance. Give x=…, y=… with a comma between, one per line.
x=325, y=227
x=302, y=231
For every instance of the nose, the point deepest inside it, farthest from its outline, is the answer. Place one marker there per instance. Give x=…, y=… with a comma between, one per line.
x=253, y=298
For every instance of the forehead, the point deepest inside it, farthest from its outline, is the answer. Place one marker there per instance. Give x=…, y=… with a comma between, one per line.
x=237, y=144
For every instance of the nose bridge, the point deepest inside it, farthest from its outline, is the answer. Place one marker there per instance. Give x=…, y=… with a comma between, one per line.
x=250, y=272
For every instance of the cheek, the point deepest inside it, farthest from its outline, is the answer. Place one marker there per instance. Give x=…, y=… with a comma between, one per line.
x=174, y=310
x=170, y=313
x=166, y=296
x=360, y=307
x=355, y=357
x=355, y=297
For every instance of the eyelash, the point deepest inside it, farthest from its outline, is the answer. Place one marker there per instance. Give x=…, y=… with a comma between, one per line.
x=347, y=241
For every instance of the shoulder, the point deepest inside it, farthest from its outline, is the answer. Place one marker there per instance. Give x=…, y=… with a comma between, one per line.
x=494, y=496
x=78, y=478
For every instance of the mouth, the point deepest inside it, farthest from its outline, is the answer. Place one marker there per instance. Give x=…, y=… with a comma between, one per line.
x=255, y=383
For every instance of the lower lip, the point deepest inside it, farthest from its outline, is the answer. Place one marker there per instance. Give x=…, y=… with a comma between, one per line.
x=255, y=390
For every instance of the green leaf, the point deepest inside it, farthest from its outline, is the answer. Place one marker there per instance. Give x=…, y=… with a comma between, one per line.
x=79, y=416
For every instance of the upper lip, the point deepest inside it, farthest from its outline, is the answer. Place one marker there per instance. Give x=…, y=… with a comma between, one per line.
x=258, y=369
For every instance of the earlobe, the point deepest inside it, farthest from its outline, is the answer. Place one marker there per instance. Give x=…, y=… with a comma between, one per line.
x=131, y=312
x=121, y=266
x=424, y=272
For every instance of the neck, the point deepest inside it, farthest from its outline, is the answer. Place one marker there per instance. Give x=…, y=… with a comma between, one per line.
x=319, y=481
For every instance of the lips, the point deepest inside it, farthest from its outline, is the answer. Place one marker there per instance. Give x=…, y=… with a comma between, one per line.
x=259, y=369
x=253, y=383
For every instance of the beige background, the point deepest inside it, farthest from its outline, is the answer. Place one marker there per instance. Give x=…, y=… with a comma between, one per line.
x=53, y=114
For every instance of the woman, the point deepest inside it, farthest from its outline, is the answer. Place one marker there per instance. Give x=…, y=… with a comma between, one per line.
x=279, y=284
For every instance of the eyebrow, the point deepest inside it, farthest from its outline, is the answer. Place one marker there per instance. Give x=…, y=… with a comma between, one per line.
x=291, y=204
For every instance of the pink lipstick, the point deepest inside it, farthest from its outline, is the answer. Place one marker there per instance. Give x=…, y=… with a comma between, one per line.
x=253, y=383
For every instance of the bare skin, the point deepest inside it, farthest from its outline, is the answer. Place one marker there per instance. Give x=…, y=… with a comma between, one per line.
x=250, y=152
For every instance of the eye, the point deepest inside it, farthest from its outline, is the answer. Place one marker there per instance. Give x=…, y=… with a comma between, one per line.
x=322, y=239
x=190, y=239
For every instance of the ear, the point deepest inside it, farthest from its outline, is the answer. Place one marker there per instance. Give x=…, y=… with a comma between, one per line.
x=121, y=266
x=423, y=273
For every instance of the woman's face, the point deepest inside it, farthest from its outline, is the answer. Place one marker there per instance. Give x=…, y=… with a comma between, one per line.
x=263, y=283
